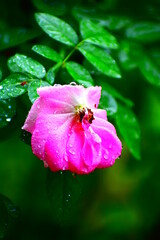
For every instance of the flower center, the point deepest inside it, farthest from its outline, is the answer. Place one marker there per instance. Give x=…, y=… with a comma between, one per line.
x=84, y=113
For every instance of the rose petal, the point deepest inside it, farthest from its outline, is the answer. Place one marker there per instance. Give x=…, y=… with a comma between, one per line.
x=43, y=107
x=83, y=150
x=65, y=93
x=111, y=145
x=50, y=136
x=93, y=95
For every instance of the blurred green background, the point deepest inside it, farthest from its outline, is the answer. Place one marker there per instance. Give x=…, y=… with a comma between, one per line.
x=122, y=202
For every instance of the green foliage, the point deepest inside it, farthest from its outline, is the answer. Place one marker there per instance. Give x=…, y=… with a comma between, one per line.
x=50, y=77
x=113, y=92
x=47, y=52
x=57, y=29
x=8, y=213
x=150, y=71
x=144, y=31
x=129, y=129
x=7, y=111
x=32, y=89
x=13, y=86
x=97, y=35
x=100, y=59
x=114, y=42
x=108, y=103
x=63, y=186
x=79, y=74
x=13, y=37
x=0, y=74
x=29, y=65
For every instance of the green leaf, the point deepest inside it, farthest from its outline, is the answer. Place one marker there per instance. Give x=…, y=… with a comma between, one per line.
x=12, y=65
x=32, y=89
x=8, y=213
x=13, y=86
x=144, y=31
x=150, y=71
x=112, y=91
x=94, y=33
x=79, y=73
x=108, y=103
x=47, y=52
x=29, y=65
x=50, y=76
x=0, y=74
x=129, y=129
x=13, y=37
x=7, y=111
x=100, y=59
x=64, y=191
x=57, y=29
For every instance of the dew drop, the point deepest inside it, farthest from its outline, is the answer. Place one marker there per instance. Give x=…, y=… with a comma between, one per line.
x=1, y=87
x=73, y=84
x=72, y=151
x=9, y=106
x=8, y=119
x=105, y=156
x=110, y=146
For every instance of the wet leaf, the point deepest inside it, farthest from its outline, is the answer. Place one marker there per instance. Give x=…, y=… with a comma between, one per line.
x=129, y=129
x=79, y=74
x=57, y=29
x=13, y=86
x=29, y=65
x=7, y=111
x=96, y=34
x=144, y=31
x=13, y=67
x=50, y=76
x=100, y=59
x=32, y=89
x=108, y=103
x=47, y=52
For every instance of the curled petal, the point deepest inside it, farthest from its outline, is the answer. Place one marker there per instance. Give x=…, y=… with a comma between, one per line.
x=111, y=145
x=83, y=150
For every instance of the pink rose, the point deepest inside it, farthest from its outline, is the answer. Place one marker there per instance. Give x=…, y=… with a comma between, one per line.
x=69, y=132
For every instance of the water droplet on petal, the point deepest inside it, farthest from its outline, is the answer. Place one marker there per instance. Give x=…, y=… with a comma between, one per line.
x=72, y=151
x=73, y=84
x=110, y=146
